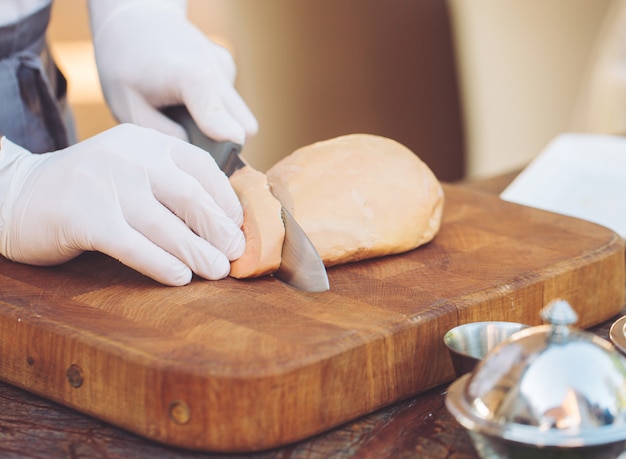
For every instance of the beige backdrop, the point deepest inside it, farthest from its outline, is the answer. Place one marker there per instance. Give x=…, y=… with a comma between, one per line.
x=520, y=63
x=312, y=71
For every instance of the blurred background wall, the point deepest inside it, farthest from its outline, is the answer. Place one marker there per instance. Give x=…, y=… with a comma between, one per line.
x=318, y=69
x=521, y=65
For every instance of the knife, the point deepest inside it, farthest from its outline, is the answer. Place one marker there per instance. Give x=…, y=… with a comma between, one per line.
x=300, y=266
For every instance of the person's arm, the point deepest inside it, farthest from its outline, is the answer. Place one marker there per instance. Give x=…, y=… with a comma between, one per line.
x=150, y=56
x=151, y=201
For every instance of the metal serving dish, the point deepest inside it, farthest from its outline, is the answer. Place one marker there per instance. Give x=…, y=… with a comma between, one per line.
x=468, y=344
x=547, y=392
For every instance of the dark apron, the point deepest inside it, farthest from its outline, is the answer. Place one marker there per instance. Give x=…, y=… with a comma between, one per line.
x=33, y=109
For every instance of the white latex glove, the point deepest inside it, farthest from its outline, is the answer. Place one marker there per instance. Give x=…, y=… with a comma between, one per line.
x=154, y=202
x=150, y=56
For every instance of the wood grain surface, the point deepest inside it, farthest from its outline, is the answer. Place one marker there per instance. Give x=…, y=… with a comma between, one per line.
x=247, y=365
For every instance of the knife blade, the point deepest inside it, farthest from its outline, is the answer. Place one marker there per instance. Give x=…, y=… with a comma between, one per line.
x=300, y=266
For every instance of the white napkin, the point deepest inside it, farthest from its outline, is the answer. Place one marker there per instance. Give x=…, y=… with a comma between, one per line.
x=580, y=175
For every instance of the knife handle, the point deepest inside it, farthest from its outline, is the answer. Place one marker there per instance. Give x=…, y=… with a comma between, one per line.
x=220, y=150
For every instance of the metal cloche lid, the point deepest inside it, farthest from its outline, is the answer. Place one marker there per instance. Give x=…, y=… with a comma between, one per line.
x=546, y=385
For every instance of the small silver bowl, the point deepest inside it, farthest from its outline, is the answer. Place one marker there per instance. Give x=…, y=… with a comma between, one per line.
x=469, y=343
x=547, y=392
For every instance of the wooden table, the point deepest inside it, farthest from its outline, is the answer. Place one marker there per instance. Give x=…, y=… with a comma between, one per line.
x=418, y=427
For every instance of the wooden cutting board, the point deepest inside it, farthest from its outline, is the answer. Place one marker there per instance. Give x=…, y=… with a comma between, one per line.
x=248, y=365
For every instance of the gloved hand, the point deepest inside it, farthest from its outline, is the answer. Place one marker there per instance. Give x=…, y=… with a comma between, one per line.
x=154, y=202
x=149, y=56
